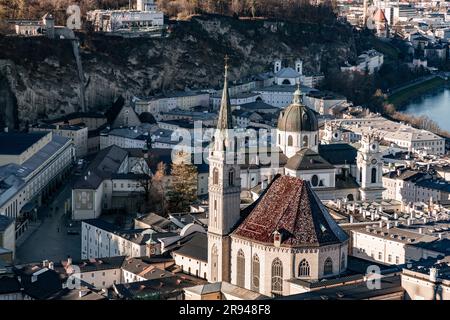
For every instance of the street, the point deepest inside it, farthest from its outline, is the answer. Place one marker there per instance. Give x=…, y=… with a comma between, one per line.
x=51, y=240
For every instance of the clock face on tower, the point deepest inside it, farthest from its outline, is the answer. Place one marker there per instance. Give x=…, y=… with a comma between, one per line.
x=374, y=161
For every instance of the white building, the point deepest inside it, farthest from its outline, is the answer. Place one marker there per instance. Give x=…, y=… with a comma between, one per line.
x=78, y=134
x=369, y=61
x=126, y=138
x=390, y=245
x=100, y=239
x=408, y=185
x=163, y=103
x=111, y=178
x=145, y=18
x=276, y=243
x=31, y=166
x=404, y=136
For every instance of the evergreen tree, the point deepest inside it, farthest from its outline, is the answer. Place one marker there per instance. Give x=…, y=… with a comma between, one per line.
x=183, y=190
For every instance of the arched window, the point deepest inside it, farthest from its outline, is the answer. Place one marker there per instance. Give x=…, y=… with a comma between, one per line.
x=240, y=269
x=277, y=277
x=315, y=139
x=231, y=177
x=360, y=174
x=315, y=180
x=328, y=267
x=290, y=141
x=255, y=273
x=343, y=261
x=215, y=176
x=279, y=138
x=350, y=197
x=214, y=263
x=305, y=141
x=303, y=268
x=374, y=175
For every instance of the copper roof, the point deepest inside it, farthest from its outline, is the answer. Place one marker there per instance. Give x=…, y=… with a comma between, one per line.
x=290, y=207
x=297, y=118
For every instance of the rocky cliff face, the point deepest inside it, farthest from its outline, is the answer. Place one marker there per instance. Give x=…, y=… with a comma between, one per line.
x=41, y=75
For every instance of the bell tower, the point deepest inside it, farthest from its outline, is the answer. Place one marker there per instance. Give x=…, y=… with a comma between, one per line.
x=370, y=165
x=224, y=191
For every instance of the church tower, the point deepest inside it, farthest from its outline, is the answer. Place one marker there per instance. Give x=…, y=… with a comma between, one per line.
x=332, y=133
x=224, y=191
x=370, y=164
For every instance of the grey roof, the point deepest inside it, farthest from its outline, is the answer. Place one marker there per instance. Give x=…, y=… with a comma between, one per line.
x=154, y=289
x=285, y=88
x=306, y=159
x=441, y=246
x=406, y=175
x=257, y=105
x=100, y=264
x=440, y=185
x=13, y=176
x=196, y=248
x=297, y=118
x=145, y=269
x=17, y=143
x=338, y=153
x=138, y=236
x=106, y=163
x=358, y=291
x=287, y=73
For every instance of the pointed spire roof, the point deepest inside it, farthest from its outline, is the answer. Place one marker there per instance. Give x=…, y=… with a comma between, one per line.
x=225, y=119
x=379, y=16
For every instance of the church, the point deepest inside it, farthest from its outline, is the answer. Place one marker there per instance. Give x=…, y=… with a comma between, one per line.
x=335, y=170
x=286, y=235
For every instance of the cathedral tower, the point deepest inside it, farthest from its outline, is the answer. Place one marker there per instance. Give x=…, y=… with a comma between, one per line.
x=370, y=165
x=224, y=191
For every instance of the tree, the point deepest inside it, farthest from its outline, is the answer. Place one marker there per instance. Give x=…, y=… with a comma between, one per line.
x=159, y=187
x=183, y=190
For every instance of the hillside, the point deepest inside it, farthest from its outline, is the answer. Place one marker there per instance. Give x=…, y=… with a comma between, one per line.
x=42, y=78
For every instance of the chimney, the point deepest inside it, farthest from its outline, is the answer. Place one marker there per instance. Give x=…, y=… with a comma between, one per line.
x=408, y=221
x=440, y=236
x=263, y=185
x=388, y=225
x=421, y=230
x=351, y=219
x=6, y=129
x=51, y=266
x=381, y=224
x=69, y=261
x=396, y=216
x=433, y=274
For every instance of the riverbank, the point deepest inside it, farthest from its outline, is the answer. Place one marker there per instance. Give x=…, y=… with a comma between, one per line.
x=401, y=98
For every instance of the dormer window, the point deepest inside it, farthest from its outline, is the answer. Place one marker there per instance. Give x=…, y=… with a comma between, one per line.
x=276, y=238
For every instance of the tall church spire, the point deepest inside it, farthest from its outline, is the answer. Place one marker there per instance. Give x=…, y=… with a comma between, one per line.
x=225, y=120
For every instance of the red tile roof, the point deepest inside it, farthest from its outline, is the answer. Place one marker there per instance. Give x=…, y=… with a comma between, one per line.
x=290, y=207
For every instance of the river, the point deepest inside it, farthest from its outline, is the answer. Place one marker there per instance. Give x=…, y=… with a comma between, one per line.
x=436, y=106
